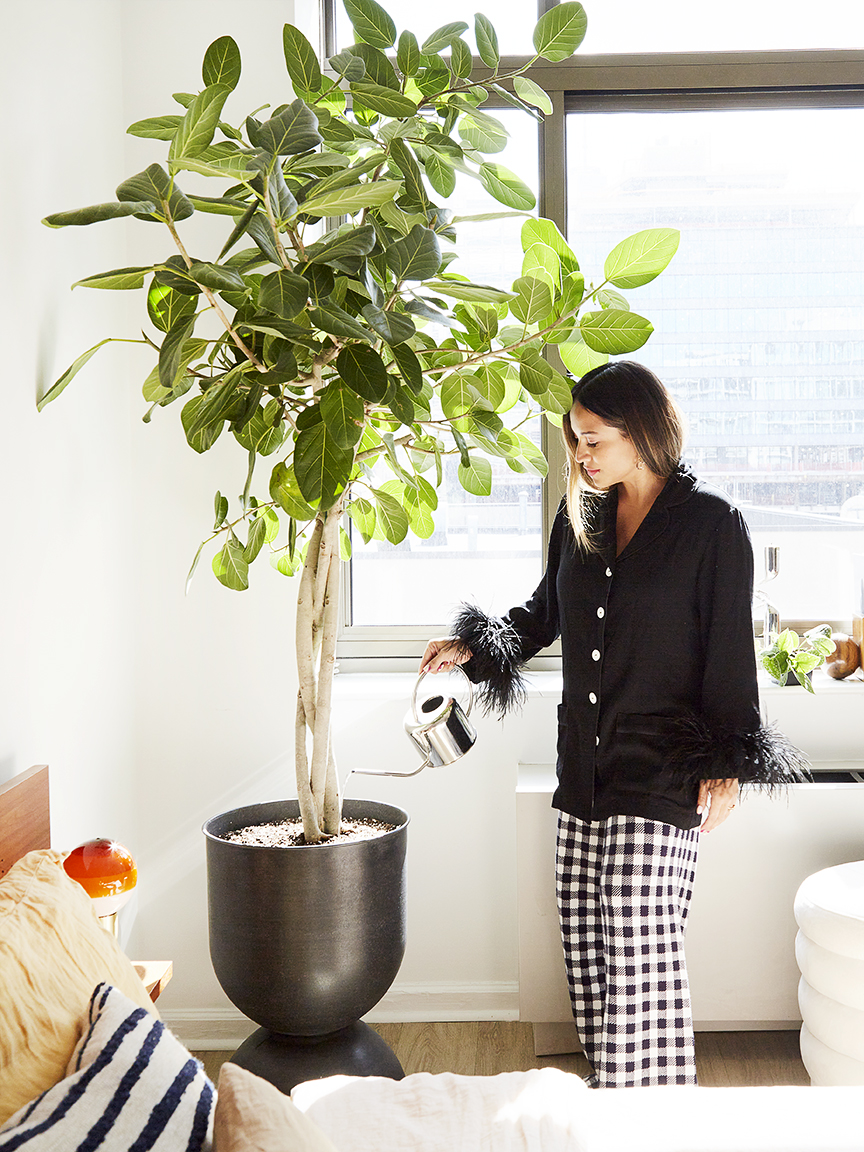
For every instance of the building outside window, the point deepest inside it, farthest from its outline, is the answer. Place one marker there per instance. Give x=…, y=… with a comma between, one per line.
x=749, y=151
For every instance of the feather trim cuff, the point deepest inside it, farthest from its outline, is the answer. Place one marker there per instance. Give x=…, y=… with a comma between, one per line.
x=496, y=658
x=762, y=760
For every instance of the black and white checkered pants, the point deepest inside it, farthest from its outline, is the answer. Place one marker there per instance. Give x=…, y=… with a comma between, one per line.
x=624, y=886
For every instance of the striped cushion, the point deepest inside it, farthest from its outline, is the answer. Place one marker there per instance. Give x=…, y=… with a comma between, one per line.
x=130, y=1087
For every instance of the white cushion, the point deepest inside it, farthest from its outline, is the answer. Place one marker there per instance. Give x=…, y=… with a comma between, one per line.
x=839, y=977
x=129, y=1084
x=838, y=1026
x=829, y=909
x=827, y=1067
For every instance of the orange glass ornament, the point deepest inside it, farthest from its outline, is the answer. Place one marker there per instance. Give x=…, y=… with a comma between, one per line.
x=106, y=872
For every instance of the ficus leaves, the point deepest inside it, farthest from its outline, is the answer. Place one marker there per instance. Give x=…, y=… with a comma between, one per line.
x=326, y=329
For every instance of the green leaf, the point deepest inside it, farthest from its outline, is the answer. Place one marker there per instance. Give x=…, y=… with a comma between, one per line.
x=391, y=326
x=379, y=68
x=409, y=367
x=578, y=358
x=614, y=331
x=119, y=279
x=202, y=438
x=390, y=517
x=371, y=23
x=165, y=305
x=154, y=184
x=199, y=124
x=408, y=54
x=255, y=542
x=476, y=476
x=459, y=395
x=415, y=257
x=348, y=65
x=301, y=60
x=220, y=510
x=442, y=36
x=535, y=375
x=222, y=63
x=230, y=566
x=284, y=293
x=542, y=262
x=532, y=93
x=533, y=299
x=440, y=174
x=403, y=158
x=97, y=212
x=557, y=398
x=362, y=369
x=217, y=277
x=540, y=231
x=343, y=412
x=483, y=132
x=285, y=490
x=505, y=186
x=73, y=369
x=155, y=127
x=641, y=257
x=322, y=465
x=466, y=290
x=293, y=130
x=487, y=40
x=214, y=405
x=383, y=100
x=231, y=167
x=172, y=349
x=461, y=60
x=607, y=298
x=362, y=512
x=560, y=31
x=337, y=322
x=356, y=242
x=259, y=434
x=347, y=201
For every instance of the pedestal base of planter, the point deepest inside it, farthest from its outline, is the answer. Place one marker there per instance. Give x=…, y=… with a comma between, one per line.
x=285, y=1061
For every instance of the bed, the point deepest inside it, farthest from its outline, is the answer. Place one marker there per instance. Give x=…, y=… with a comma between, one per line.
x=85, y=1063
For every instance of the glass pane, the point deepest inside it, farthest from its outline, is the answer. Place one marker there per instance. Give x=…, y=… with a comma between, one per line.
x=758, y=317
x=737, y=25
x=486, y=549
x=514, y=23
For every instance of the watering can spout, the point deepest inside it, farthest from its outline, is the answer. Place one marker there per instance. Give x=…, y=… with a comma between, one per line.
x=439, y=729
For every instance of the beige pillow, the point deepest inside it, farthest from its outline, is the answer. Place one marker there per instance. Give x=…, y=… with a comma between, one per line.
x=253, y=1116
x=53, y=953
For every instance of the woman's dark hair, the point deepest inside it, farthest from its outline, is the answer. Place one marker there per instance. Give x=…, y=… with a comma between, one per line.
x=629, y=397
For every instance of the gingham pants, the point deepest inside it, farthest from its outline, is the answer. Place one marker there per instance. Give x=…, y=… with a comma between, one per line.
x=624, y=886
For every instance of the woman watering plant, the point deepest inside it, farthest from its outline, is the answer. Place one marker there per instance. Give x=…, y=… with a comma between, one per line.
x=649, y=585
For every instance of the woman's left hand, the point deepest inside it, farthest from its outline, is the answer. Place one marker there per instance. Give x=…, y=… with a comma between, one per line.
x=717, y=798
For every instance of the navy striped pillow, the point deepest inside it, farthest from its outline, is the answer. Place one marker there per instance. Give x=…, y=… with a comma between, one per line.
x=130, y=1087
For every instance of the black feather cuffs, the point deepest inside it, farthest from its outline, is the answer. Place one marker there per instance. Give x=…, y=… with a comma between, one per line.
x=763, y=760
x=496, y=662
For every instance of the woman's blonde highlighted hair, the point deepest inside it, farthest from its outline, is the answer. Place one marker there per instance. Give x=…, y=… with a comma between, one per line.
x=629, y=397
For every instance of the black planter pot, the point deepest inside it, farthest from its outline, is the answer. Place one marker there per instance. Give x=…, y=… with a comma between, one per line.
x=306, y=940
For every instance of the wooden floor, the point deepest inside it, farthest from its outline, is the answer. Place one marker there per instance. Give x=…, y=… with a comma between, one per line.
x=485, y=1048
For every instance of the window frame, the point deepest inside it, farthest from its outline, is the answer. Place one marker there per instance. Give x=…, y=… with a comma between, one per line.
x=663, y=81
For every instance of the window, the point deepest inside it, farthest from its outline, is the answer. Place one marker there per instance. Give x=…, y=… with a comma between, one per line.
x=738, y=132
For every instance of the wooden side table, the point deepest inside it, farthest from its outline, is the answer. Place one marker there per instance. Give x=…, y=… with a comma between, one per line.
x=154, y=974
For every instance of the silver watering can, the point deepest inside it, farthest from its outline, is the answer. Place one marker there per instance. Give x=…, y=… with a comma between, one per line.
x=440, y=729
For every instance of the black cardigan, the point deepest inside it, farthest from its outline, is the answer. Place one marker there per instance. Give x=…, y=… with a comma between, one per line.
x=658, y=653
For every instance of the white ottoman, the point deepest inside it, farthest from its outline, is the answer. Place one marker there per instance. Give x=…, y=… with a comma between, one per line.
x=829, y=909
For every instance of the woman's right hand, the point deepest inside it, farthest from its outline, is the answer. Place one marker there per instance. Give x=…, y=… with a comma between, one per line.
x=443, y=654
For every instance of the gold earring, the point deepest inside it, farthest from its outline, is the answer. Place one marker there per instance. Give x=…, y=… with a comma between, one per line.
x=638, y=462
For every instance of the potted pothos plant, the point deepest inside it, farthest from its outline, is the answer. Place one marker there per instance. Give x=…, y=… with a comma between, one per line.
x=790, y=655
x=328, y=335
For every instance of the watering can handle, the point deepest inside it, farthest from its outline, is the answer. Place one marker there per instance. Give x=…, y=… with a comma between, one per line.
x=419, y=682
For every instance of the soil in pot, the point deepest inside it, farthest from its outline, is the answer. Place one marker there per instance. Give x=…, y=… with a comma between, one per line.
x=289, y=833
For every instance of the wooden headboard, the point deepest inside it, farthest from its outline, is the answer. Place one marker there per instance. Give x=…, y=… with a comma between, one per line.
x=25, y=822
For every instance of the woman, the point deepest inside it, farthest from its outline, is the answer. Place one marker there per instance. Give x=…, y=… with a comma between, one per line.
x=649, y=585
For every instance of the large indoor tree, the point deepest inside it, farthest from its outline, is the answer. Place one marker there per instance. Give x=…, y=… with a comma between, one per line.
x=325, y=332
